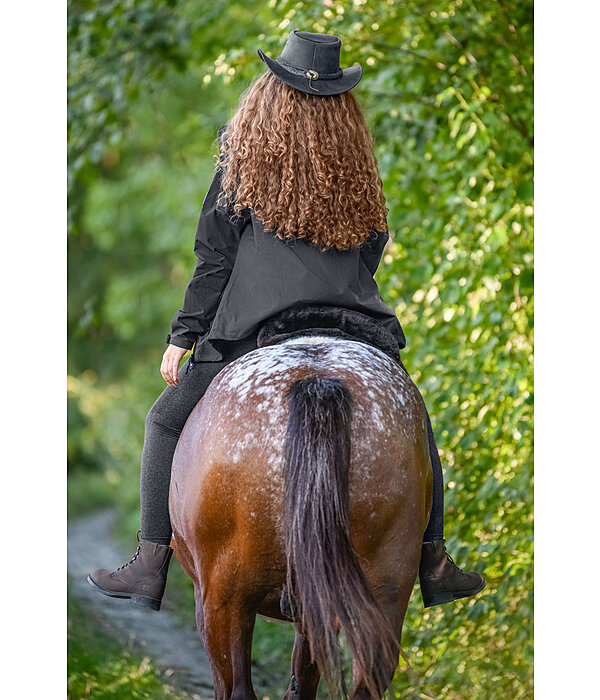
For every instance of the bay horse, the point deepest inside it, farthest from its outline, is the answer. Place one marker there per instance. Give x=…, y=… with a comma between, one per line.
x=301, y=488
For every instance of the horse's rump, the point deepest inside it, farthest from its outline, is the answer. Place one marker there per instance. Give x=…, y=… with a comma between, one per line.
x=232, y=443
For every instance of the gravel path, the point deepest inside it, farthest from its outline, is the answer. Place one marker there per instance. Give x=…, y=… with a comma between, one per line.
x=176, y=652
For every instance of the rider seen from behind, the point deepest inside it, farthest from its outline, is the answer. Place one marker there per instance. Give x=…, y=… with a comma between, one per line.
x=295, y=215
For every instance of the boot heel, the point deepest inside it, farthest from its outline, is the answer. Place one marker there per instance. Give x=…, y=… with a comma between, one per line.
x=145, y=602
x=437, y=599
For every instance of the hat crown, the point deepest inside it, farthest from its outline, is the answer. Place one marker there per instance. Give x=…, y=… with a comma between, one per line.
x=312, y=51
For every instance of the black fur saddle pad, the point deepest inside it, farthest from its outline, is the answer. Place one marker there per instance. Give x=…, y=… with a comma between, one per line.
x=317, y=319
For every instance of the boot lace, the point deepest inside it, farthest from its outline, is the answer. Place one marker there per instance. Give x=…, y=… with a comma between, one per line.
x=452, y=561
x=135, y=556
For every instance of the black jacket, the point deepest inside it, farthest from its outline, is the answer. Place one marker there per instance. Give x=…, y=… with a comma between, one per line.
x=245, y=275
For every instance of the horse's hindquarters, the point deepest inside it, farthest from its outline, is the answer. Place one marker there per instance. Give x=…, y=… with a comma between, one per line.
x=228, y=482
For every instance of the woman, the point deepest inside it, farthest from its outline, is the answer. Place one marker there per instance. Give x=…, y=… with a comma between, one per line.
x=295, y=215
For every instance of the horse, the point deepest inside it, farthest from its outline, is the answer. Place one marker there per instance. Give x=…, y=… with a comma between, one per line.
x=300, y=491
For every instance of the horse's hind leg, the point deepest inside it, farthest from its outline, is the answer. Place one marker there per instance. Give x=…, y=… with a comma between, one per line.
x=228, y=627
x=394, y=612
x=393, y=596
x=305, y=674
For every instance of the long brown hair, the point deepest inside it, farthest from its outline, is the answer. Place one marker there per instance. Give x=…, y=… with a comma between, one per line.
x=305, y=164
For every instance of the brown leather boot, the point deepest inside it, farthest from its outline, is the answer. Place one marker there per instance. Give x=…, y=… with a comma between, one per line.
x=142, y=579
x=441, y=580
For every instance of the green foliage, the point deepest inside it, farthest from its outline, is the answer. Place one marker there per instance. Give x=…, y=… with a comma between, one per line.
x=98, y=669
x=447, y=91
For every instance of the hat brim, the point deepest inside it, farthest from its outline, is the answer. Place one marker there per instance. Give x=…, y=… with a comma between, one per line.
x=350, y=78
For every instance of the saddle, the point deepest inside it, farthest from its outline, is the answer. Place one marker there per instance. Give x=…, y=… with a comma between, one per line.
x=318, y=319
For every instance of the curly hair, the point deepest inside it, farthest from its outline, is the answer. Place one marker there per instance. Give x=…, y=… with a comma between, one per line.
x=305, y=164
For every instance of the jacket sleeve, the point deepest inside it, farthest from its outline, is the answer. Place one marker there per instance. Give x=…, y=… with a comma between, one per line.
x=216, y=246
x=372, y=249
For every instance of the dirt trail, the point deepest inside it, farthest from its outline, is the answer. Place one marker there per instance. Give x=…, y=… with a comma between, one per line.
x=175, y=651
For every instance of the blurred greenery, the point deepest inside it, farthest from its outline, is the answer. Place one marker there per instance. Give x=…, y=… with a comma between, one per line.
x=99, y=669
x=447, y=91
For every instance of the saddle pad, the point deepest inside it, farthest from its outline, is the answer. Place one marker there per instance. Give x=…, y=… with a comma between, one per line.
x=317, y=319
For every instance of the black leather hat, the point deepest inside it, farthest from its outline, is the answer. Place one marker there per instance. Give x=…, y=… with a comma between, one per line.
x=311, y=63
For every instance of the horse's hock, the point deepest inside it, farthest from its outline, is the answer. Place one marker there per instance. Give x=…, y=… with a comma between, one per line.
x=306, y=463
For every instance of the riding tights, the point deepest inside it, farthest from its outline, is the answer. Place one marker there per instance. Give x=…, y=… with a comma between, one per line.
x=165, y=422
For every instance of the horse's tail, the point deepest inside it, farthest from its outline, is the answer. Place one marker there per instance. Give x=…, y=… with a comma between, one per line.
x=324, y=577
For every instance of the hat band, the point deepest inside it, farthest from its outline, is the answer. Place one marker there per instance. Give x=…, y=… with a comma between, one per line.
x=310, y=73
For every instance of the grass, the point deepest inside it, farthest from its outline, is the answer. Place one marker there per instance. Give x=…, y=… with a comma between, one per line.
x=100, y=669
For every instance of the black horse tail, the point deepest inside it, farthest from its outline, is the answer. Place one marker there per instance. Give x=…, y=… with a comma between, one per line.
x=325, y=582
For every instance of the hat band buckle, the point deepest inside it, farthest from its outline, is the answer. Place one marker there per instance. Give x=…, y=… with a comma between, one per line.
x=310, y=73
